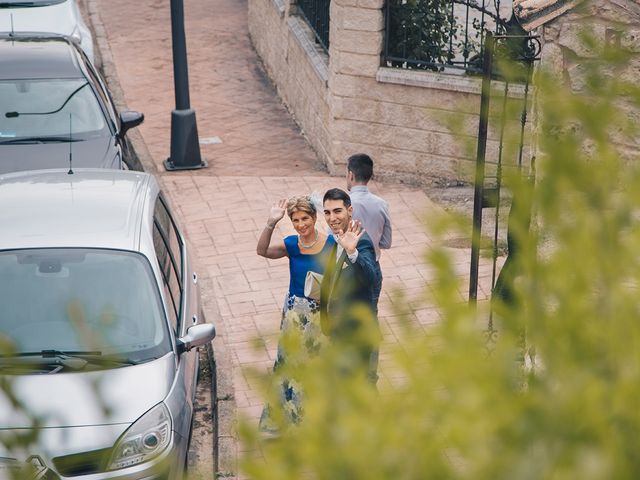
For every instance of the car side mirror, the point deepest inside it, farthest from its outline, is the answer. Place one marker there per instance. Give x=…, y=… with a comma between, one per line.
x=129, y=120
x=196, y=336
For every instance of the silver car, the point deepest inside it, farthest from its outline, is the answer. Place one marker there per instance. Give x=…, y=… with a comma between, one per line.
x=47, y=16
x=54, y=105
x=99, y=318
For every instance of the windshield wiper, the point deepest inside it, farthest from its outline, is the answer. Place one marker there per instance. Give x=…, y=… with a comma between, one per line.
x=57, y=353
x=74, y=359
x=16, y=4
x=20, y=140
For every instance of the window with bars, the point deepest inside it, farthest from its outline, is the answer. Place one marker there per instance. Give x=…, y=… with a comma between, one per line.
x=443, y=35
x=316, y=14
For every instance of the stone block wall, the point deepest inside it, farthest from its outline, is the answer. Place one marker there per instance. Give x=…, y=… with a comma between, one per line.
x=345, y=102
x=295, y=64
x=609, y=21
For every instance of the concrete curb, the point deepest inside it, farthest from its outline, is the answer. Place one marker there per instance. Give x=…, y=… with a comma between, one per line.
x=225, y=451
x=224, y=412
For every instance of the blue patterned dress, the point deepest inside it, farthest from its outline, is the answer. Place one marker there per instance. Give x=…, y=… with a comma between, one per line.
x=302, y=314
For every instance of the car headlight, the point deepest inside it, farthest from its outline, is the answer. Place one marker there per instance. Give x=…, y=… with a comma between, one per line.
x=144, y=440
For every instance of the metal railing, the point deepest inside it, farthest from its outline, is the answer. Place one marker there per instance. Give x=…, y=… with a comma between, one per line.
x=316, y=13
x=443, y=34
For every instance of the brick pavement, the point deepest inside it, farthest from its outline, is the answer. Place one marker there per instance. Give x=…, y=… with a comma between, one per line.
x=262, y=157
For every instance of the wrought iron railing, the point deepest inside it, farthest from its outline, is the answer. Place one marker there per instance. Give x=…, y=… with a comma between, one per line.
x=520, y=53
x=443, y=34
x=316, y=13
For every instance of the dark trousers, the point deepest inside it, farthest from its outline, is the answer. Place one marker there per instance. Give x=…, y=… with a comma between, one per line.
x=374, y=358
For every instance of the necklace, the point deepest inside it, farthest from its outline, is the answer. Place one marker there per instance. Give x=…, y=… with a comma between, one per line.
x=311, y=244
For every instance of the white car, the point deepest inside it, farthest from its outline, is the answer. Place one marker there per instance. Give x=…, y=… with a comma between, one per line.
x=61, y=17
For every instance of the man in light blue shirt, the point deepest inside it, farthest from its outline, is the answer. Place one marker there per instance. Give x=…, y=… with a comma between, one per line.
x=373, y=213
x=369, y=209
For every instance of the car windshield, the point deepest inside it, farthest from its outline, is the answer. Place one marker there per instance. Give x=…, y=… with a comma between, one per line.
x=50, y=107
x=81, y=300
x=28, y=3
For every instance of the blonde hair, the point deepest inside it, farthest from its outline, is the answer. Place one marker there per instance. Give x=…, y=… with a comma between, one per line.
x=301, y=203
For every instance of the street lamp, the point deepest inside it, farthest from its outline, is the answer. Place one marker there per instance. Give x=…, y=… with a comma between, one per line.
x=185, y=149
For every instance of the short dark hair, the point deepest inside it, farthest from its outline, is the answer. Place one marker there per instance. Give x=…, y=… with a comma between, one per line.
x=337, y=194
x=361, y=166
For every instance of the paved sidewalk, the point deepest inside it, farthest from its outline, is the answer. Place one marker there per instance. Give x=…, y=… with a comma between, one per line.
x=262, y=157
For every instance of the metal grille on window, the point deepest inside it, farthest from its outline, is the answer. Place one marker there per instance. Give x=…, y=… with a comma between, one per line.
x=443, y=35
x=316, y=13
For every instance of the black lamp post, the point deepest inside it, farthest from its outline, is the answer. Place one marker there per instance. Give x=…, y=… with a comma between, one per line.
x=185, y=149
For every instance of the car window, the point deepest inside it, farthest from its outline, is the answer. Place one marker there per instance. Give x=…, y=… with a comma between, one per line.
x=81, y=299
x=46, y=107
x=169, y=277
x=103, y=93
x=168, y=246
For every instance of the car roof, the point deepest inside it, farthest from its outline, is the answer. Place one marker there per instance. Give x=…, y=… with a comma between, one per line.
x=32, y=56
x=91, y=208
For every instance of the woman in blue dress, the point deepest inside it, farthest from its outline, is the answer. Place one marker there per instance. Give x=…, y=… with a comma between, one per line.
x=307, y=251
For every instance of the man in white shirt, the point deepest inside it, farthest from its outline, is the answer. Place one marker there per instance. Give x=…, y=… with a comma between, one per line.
x=346, y=293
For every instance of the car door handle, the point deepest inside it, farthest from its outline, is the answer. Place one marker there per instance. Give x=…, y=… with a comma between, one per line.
x=194, y=319
x=195, y=278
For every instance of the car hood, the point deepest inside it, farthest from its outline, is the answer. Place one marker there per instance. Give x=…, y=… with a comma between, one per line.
x=84, y=399
x=58, y=18
x=98, y=152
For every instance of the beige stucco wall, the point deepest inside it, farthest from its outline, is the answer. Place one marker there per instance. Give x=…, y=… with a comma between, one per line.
x=346, y=103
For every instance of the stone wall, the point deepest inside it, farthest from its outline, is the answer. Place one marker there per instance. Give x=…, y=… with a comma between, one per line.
x=345, y=102
x=296, y=65
x=610, y=22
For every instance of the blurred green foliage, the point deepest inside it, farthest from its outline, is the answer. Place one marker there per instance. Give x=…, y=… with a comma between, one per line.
x=555, y=394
